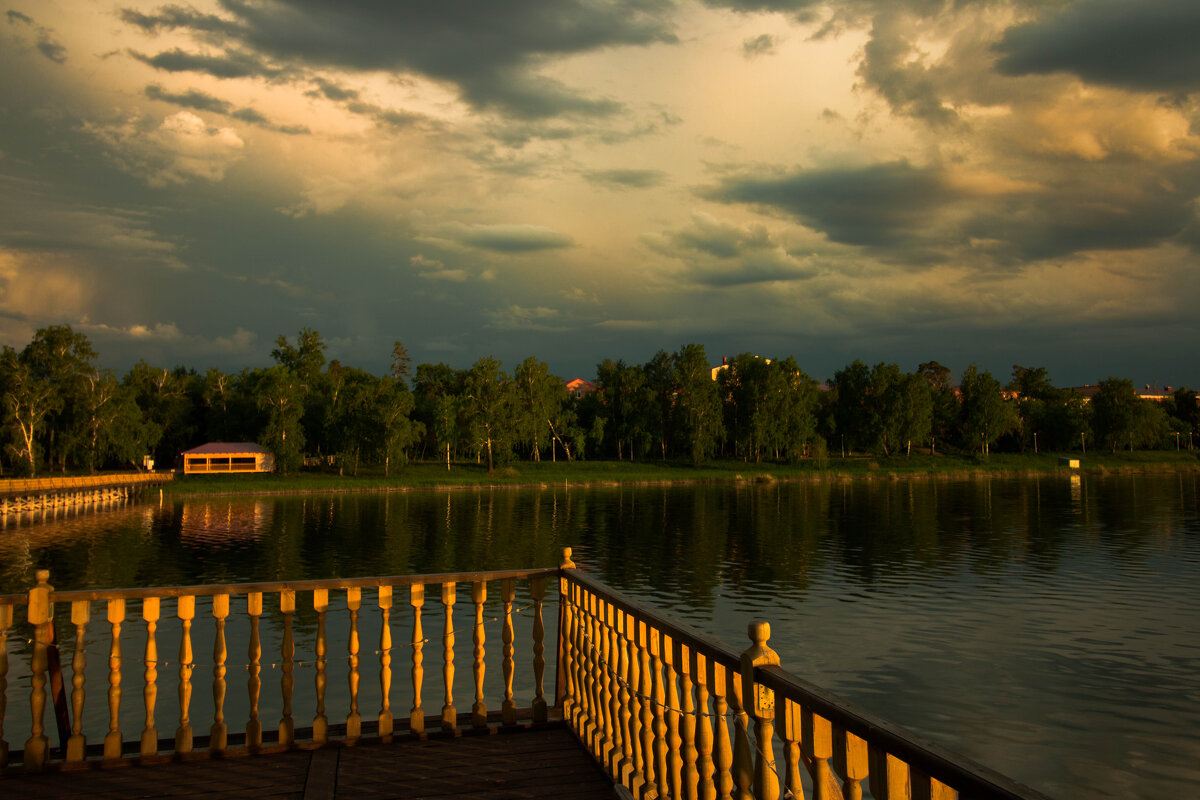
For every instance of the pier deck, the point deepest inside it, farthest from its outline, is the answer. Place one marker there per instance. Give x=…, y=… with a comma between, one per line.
x=542, y=762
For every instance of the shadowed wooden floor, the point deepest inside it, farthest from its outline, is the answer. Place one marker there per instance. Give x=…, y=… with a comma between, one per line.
x=543, y=762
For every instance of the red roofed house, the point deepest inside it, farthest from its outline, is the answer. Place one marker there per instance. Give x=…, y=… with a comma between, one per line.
x=580, y=388
x=227, y=457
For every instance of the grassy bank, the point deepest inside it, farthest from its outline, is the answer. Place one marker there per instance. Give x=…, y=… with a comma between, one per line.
x=602, y=473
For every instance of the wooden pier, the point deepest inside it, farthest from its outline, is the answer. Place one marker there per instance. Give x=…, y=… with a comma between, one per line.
x=662, y=709
x=28, y=495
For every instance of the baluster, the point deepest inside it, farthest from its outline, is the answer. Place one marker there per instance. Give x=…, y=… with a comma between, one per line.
x=320, y=724
x=219, y=733
x=353, y=719
x=632, y=768
x=385, y=664
x=850, y=761
x=40, y=616
x=646, y=701
x=479, y=708
x=254, y=609
x=416, y=717
x=112, y=740
x=508, y=708
x=579, y=662
x=619, y=760
x=662, y=772
x=759, y=701
x=927, y=788
x=742, y=768
x=537, y=592
x=6, y=618
x=889, y=776
x=287, y=682
x=705, y=768
x=449, y=716
x=81, y=614
x=674, y=740
x=595, y=708
x=689, y=775
x=562, y=679
x=151, y=613
x=671, y=699
x=604, y=681
x=718, y=679
x=186, y=612
x=791, y=732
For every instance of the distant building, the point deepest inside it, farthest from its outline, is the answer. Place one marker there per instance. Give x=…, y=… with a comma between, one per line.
x=725, y=365
x=578, y=388
x=218, y=457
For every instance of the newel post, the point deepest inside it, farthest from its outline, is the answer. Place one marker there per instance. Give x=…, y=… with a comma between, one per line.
x=562, y=693
x=37, y=748
x=759, y=702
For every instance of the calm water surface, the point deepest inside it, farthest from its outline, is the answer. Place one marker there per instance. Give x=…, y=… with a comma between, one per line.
x=1047, y=628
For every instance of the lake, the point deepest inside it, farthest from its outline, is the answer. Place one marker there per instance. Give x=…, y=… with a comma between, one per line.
x=1048, y=627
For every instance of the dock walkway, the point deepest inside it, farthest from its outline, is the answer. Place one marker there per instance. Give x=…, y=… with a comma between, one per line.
x=545, y=761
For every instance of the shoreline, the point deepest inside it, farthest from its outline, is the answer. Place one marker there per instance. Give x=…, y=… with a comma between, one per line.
x=867, y=470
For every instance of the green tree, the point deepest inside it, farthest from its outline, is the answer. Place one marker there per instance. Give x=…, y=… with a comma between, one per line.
x=488, y=398
x=62, y=358
x=542, y=414
x=786, y=413
x=28, y=400
x=626, y=398
x=281, y=394
x=697, y=405
x=986, y=415
x=168, y=399
x=660, y=385
x=944, y=403
x=1115, y=412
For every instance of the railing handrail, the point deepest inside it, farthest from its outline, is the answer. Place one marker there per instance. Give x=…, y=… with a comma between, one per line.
x=210, y=590
x=701, y=642
x=967, y=777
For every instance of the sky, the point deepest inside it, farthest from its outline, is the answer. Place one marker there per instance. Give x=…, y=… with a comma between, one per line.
x=995, y=182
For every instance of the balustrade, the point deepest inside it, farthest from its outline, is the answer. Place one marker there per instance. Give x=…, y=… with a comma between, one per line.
x=330, y=640
x=672, y=712
x=667, y=710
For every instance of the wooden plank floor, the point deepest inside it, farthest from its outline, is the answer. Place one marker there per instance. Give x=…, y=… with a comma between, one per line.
x=543, y=762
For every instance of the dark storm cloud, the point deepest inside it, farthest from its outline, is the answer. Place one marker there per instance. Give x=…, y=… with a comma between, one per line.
x=172, y=16
x=913, y=214
x=906, y=83
x=1150, y=45
x=46, y=44
x=1082, y=218
x=232, y=64
x=761, y=45
x=202, y=101
x=882, y=205
x=721, y=254
x=626, y=178
x=491, y=51
x=332, y=91
x=765, y=268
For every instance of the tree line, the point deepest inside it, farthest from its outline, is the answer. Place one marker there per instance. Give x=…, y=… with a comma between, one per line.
x=62, y=413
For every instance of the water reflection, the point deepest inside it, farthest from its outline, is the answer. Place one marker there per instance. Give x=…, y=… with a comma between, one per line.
x=1045, y=627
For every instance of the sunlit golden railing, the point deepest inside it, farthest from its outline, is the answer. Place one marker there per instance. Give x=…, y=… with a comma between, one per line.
x=668, y=711
x=27, y=485
x=160, y=672
x=672, y=712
